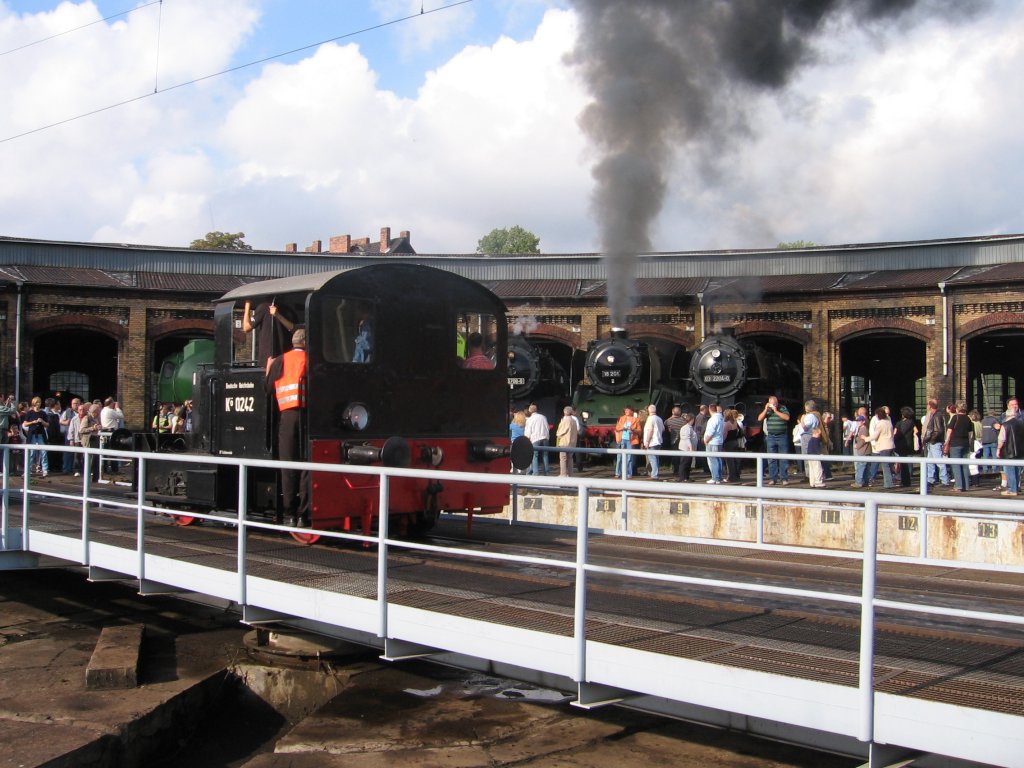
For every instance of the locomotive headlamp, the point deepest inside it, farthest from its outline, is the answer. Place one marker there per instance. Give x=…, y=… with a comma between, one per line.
x=355, y=417
x=610, y=359
x=716, y=353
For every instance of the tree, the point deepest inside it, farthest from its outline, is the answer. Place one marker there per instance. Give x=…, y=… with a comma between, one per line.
x=794, y=245
x=231, y=241
x=512, y=240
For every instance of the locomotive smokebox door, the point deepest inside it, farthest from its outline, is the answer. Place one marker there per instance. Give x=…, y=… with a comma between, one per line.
x=239, y=412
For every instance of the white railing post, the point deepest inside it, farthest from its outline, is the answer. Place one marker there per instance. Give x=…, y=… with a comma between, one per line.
x=867, y=622
x=86, y=487
x=5, y=506
x=85, y=509
x=624, y=516
x=759, y=466
x=924, y=533
x=514, y=504
x=243, y=531
x=25, y=476
x=140, y=520
x=580, y=615
x=382, y=557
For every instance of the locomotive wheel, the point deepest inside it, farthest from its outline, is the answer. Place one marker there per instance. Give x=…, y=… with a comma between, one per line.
x=305, y=538
x=422, y=522
x=184, y=520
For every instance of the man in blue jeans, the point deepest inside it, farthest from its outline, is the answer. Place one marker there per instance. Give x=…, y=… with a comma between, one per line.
x=933, y=434
x=1011, y=445
x=714, y=437
x=775, y=425
x=538, y=430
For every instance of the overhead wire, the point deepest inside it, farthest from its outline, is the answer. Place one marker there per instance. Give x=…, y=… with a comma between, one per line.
x=229, y=70
x=83, y=26
x=159, y=29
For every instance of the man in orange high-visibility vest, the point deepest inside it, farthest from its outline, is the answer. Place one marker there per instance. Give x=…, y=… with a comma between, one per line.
x=286, y=374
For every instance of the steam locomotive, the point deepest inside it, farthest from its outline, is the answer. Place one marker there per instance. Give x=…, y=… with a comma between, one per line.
x=536, y=376
x=623, y=372
x=386, y=384
x=742, y=375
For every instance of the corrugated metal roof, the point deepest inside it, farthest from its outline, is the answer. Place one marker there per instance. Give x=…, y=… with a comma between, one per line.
x=873, y=257
x=747, y=287
x=1002, y=273
x=160, y=281
x=670, y=286
x=548, y=289
x=93, y=278
x=898, y=279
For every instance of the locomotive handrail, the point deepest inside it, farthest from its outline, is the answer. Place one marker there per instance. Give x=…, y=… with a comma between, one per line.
x=869, y=502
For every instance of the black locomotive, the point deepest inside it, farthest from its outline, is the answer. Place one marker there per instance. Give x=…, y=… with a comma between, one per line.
x=388, y=382
x=536, y=376
x=742, y=375
x=624, y=372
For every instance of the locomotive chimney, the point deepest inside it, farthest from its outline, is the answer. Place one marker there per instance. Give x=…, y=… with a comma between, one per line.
x=618, y=333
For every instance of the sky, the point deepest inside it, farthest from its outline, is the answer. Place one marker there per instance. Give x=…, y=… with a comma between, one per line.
x=462, y=119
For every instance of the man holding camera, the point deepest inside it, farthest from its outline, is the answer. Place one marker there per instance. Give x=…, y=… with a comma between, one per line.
x=775, y=425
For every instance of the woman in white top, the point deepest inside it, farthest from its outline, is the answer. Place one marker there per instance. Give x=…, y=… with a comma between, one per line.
x=881, y=438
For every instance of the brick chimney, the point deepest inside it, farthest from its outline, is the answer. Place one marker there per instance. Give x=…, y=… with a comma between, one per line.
x=404, y=233
x=316, y=247
x=385, y=239
x=291, y=247
x=362, y=241
x=340, y=244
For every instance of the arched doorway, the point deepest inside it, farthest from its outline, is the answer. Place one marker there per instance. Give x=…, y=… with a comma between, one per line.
x=172, y=364
x=73, y=359
x=995, y=368
x=882, y=368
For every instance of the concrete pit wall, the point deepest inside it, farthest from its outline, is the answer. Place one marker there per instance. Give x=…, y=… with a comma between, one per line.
x=951, y=536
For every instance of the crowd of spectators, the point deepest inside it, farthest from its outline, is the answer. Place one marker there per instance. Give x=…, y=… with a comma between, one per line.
x=87, y=424
x=954, y=432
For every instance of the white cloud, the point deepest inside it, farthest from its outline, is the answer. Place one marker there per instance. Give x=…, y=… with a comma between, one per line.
x=910, y=135
x=915, y=140
x=428, y=31
x=99, y=175
x=490, y=140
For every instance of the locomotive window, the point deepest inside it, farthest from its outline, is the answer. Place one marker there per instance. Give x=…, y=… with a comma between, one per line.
x=475, y=336
x=348, y=331
x=244, y=352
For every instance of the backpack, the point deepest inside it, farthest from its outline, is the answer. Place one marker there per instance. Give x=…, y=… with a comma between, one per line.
x=53, y=436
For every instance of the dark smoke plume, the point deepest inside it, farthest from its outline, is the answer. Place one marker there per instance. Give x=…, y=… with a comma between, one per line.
x=669, y=73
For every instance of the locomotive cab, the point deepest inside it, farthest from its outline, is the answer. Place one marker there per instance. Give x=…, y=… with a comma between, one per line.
x=406, y=366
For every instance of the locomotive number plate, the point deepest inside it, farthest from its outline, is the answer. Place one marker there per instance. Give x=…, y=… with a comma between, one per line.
x=240, y=404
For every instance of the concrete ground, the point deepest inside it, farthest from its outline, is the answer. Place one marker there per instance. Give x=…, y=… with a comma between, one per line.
x=421, y=716
x=50, y=621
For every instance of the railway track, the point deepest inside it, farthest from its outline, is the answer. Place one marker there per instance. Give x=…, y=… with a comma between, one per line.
x=938, y=658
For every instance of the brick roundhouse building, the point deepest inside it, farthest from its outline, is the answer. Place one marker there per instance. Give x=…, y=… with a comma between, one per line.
x=885, y=323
